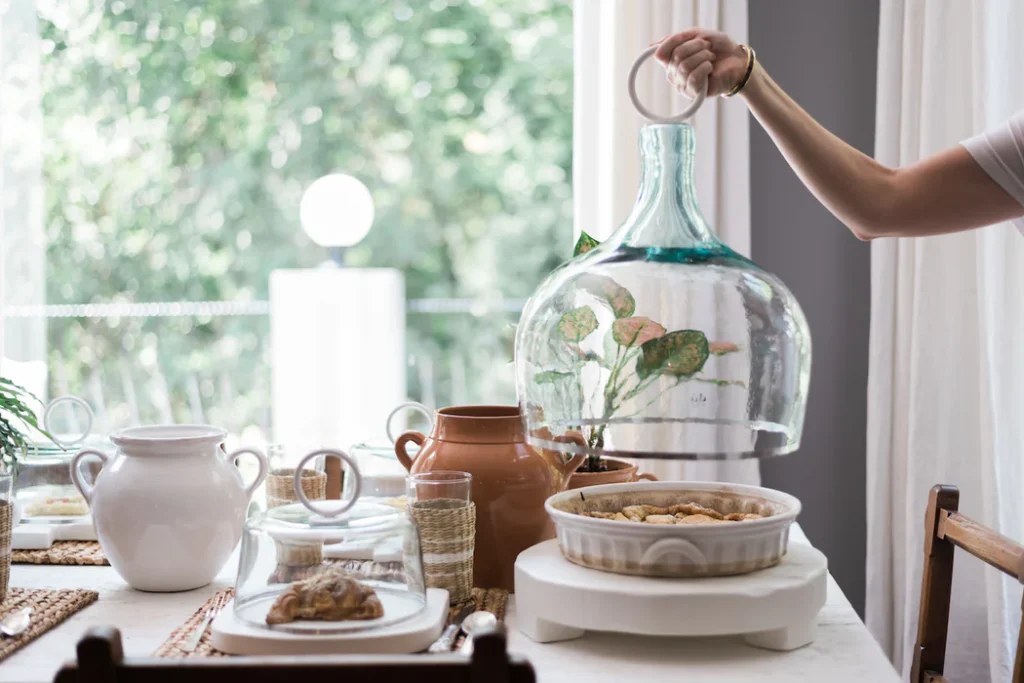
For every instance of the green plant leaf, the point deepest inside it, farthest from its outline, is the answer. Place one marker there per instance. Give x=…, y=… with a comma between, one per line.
x=575, y=325
x=16, y=418
x=680, y=354
x=636, y=331
x=614, y=294
x=584, y=244
x=550, y=376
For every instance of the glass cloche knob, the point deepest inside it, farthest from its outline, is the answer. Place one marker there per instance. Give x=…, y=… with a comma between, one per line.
x=662, y=342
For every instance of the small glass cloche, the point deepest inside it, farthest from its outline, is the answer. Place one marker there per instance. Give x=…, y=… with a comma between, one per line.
x=43, y=486
x=332, y=565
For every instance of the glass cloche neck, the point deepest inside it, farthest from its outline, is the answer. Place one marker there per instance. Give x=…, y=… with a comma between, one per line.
x=666, y=214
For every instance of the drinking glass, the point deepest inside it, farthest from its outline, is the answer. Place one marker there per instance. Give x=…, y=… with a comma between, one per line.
x=441, y=505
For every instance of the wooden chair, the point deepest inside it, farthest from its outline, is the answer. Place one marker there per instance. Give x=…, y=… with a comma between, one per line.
x=945, y=528
x=101, y=660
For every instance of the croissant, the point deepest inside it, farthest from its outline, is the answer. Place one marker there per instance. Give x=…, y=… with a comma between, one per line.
x=328, y=596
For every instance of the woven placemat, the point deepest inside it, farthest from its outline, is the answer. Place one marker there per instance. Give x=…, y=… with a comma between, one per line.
x=63, y=552
x=49, y=608
x=493, y=600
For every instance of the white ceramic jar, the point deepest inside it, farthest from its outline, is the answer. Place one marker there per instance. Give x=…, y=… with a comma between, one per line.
x=168, y=507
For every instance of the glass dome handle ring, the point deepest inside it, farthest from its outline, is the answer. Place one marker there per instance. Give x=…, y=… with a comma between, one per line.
x=647, y=113
x=357, y=486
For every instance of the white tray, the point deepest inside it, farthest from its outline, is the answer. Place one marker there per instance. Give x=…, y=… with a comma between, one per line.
x=230, y=635
x=39, y=535
x=774, y=608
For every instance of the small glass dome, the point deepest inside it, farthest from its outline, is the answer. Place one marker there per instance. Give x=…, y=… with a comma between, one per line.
x=662, y=342
x=330, y=566
x=382, y=474
x=44, y=471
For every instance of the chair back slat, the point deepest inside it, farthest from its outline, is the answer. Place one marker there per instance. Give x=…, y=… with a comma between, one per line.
x=983, y=543
x=101, y=660
x=936, y=588
x=944, y=529
x=1018, y=662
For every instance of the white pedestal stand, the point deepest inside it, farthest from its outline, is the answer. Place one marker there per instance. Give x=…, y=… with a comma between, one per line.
x=229, y=634
x=337, y=338
x=40, y=536
x=774, y=608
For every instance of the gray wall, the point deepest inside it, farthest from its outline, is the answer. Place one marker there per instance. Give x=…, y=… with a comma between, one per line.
x=824, y=54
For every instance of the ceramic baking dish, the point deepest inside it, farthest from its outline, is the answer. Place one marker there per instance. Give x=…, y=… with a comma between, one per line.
x=673, y=550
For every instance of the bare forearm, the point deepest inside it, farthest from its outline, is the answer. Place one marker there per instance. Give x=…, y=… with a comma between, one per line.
x=944, y=193
x=848, y=182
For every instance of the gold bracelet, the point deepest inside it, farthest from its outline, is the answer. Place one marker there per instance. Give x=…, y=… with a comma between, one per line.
x=751, y=58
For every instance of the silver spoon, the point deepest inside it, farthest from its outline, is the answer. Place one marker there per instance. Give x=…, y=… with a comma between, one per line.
x=475, y=622
x=447, y=639
x=15, y=623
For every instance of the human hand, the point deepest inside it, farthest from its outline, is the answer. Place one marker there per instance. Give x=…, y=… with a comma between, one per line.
x=695, y=55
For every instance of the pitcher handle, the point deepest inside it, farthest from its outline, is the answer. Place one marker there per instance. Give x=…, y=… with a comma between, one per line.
x=645, y=476
x=574, y=463
x=260, y=475
x=403, y=456
x=76, y=475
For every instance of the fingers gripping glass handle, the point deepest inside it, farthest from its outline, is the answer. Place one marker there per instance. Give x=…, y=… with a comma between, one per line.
x=647, y=113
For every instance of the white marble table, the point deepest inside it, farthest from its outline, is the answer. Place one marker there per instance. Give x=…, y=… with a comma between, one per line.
x=843, y=651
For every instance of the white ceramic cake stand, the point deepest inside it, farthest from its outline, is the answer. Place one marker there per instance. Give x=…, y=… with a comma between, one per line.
x=229, y=634
x=774, y=608
x=42, y=532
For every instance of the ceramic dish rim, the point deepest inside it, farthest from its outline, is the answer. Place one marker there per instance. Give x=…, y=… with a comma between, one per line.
x=790, y=502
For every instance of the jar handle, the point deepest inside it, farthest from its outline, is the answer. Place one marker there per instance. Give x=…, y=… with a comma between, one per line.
x=403, y=456
x=576, y=460
x=76, y=475
x=357, y=485
x=260, y=475
x=647, y=113
x=411, y=405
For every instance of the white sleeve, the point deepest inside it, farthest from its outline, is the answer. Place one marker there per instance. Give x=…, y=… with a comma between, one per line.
x=1000, y=151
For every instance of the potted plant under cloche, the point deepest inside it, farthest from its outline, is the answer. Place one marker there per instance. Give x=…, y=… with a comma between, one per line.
x=634, y=355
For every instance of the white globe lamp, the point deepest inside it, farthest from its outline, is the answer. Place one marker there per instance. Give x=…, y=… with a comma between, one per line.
x=336, y=211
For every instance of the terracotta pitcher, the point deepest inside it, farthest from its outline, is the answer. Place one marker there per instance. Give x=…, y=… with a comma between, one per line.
x=511, y=481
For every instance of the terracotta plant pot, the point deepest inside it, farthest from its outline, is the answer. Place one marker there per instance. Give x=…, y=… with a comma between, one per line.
x=511, y=481
x=619, y=472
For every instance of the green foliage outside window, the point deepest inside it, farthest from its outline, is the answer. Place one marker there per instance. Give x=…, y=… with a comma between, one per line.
x=180, y=135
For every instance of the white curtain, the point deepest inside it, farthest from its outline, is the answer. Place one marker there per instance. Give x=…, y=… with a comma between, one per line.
x=22, y=239
x=609, y=34
x=947, y=329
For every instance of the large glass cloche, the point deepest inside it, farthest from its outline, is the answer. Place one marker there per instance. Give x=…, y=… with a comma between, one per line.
x=662, y=342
